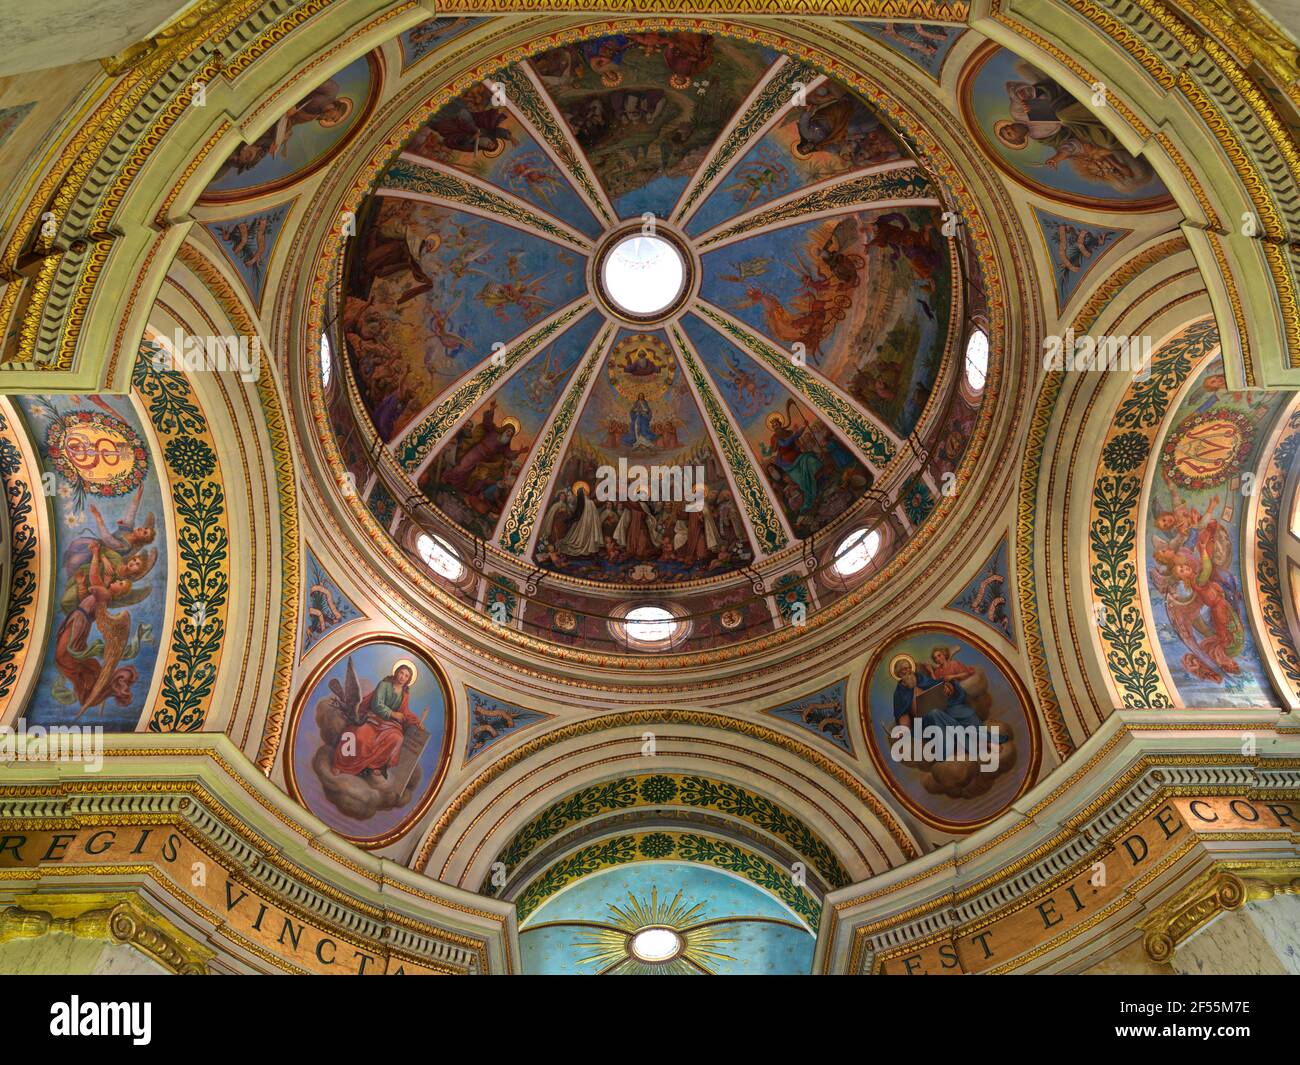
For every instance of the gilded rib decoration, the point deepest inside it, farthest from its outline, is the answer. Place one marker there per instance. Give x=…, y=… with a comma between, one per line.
x=929, y=10
x=876, y=448
x=758, y=506
x=903, y=183
x=528, y=501
x=528, y=102
x=778, y=93
x=404, y=176
x=420, y=441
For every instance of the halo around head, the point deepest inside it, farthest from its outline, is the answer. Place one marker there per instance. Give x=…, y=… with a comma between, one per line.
x=899, y=660
x=1001, y=130
x=409, y=665
x=345, y=102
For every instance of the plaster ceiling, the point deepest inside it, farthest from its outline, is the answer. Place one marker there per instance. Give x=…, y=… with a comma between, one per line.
x=61, y=32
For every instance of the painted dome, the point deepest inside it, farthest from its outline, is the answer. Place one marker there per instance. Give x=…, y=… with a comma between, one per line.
x=659, y=321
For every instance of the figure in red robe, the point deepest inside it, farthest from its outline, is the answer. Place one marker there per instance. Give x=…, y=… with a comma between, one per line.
x=377, y=741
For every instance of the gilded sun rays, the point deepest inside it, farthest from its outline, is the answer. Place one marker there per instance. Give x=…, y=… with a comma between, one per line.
x=649, y=937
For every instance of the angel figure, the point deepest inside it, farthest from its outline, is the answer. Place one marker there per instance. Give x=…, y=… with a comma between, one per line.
x=248, y=243
x=540, y=380
x=524, y=292
x=1202, y=598
x=1185, y=526
x=124, y=549
x=94, y=680
x=379, y=722
x=944, y=664
x=1201, y=614
x=751, y=394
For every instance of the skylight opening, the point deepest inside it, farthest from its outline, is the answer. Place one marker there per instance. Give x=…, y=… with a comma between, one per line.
x=440, y=557
x=643, y=275
x=649, y=625
x=977, y=360
x=856, y=551
x=655, y=945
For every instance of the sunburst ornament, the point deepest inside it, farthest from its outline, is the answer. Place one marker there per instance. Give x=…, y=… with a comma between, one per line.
x=649, y=937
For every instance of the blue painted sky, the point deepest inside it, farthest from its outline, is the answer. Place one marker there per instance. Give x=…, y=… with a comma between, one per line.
x=758, y=948
x=54, y=701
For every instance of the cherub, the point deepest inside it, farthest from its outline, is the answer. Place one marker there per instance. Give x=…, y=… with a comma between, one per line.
x=1185, y=526
x=124, y=551
x=944, y=664
x=93, y=681
x=1202, y=610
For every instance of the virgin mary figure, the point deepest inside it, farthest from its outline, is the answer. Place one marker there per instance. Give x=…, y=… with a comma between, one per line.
x=638, y=425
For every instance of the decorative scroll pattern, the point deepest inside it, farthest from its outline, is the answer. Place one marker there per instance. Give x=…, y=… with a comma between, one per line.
x=422, y=439
x=874, y=445
x=528, y=501
x=677, y=789
x=23, y=549
x=775, y=96
x=524, y=96
x=758, y=505
x=202, y=540
x=408, y=177
x=1114, y=571
x=905, y=183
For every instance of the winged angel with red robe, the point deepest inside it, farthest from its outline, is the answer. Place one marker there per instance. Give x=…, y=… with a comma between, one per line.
x=1202, y=597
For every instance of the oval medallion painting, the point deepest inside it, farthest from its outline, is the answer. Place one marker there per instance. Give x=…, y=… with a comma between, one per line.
x=1051, y=142
x=307, y=136
x=948, y=726
x=370, y=741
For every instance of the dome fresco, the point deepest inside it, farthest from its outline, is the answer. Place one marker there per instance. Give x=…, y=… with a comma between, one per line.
x=795, y=373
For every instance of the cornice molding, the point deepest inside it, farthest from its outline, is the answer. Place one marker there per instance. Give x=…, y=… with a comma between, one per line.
x=1128, y=775
x=219, y=806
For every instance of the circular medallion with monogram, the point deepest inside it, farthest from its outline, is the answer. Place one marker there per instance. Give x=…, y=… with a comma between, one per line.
x=1207, y=448
x=97, y=451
